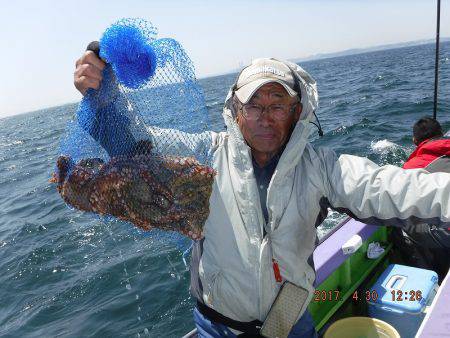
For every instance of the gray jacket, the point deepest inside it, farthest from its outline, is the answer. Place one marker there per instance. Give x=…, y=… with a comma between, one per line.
x=235, y=270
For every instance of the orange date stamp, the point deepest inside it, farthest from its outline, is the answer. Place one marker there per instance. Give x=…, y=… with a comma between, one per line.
x=335, y=296
x=365, y=295
x=327, y=296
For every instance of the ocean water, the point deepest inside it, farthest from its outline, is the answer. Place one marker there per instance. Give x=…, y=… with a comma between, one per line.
x=64, y=273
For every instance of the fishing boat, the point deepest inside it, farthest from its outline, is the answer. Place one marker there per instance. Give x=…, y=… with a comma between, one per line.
x=344, y=281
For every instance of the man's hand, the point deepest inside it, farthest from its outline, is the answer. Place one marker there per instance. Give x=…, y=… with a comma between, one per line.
x=88, y=72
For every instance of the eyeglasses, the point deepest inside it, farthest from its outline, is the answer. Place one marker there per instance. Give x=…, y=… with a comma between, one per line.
x=278, y=112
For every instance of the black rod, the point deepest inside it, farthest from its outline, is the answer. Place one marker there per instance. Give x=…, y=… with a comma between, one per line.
x=436, y=65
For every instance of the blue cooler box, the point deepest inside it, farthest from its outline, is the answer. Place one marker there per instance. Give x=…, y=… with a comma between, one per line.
x=395, y=301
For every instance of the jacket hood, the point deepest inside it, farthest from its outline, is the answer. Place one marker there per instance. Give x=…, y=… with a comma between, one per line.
x=302, y=130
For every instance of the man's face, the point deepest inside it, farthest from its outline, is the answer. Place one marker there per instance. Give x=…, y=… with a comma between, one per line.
x=267, y=135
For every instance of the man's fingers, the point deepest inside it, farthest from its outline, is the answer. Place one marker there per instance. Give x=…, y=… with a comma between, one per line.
x=90, y=57
x=88, y=70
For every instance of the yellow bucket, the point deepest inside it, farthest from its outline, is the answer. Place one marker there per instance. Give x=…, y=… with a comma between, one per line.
x=361, y=327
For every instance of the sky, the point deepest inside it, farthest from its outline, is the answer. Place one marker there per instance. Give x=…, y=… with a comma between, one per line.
x=41, y=40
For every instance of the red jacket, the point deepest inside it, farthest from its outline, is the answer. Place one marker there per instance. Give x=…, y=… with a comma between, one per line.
x=427, y=151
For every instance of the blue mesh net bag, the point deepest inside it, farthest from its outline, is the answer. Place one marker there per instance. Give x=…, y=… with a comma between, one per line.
x=137, y=148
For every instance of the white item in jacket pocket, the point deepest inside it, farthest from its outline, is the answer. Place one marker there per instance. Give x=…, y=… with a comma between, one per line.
x=285, y=311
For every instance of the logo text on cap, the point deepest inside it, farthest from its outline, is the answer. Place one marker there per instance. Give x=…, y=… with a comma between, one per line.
x=267, y=69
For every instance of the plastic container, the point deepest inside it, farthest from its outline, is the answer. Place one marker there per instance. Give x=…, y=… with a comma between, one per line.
x=400, y=296
x=357, y=327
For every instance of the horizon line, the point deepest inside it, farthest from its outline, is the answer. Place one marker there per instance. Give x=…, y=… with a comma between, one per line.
x=314, y=57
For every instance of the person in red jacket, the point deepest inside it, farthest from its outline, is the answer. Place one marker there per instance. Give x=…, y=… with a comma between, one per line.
x=431, y=144
x=423, y=245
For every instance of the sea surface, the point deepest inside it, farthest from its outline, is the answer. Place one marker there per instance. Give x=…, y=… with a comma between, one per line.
x=67, y=274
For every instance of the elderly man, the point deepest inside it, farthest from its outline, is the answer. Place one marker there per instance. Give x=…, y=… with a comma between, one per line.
x=272, y=189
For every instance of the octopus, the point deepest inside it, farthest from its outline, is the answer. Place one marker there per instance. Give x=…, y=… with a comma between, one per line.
x=165, y=192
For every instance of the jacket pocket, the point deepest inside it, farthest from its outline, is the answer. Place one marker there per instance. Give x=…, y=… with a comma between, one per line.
x=211, y=287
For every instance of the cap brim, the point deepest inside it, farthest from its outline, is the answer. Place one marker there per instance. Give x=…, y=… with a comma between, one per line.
x=245, y=93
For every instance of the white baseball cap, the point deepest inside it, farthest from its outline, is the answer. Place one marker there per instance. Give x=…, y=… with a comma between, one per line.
x=260, y=72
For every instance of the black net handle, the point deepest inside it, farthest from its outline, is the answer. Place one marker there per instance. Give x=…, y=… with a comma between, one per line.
x=94, y=46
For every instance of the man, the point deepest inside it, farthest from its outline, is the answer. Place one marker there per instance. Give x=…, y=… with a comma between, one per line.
x=431, y=145
x=272, y=189
x=423, y=245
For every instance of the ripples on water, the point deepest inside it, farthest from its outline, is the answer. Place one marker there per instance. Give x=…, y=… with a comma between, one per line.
x=66, y=273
